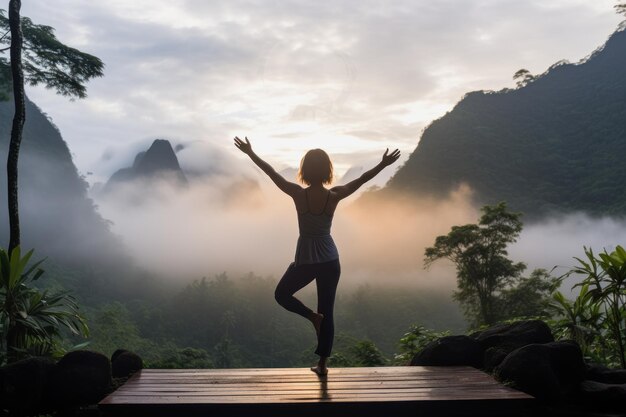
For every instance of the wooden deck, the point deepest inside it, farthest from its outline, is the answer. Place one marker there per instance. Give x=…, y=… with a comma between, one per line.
x=397, y=391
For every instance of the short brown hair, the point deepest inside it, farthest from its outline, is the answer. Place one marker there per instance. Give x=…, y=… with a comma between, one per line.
x=315, y=166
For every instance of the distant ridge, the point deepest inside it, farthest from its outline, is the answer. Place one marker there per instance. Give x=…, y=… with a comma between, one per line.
x=554, y=145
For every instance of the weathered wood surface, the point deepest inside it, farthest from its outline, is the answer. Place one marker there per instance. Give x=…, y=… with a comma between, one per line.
x=404, y=390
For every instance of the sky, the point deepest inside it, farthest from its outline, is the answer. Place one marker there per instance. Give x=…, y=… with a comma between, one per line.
x=352, y=77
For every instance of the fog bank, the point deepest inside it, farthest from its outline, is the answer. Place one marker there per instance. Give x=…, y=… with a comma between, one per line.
x=239, y=222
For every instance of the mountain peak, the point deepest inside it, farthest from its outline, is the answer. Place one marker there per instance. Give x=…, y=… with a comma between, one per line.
x=159, y=157
x=157, y=162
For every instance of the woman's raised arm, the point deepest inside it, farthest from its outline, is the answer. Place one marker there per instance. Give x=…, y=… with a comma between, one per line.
x=285, y=186
x=343, y=191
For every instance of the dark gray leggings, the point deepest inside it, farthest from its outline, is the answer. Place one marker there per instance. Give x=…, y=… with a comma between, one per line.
x=326, y=276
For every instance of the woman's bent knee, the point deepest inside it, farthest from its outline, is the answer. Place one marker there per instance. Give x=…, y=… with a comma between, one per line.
x=279, y=295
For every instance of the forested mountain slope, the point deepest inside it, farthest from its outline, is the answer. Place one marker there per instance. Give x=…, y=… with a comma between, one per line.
x=554, y=145
x=56, y=216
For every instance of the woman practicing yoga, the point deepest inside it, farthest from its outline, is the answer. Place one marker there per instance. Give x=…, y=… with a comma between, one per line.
x=316, y=254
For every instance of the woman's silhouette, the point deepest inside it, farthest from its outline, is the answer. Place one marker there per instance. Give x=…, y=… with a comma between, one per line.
x=316, y=254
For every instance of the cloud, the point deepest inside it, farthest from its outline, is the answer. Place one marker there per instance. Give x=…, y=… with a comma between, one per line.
x=228, y=223
x=554, y=242
x=197, y=70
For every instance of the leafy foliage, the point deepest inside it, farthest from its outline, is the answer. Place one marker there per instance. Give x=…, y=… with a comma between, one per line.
x=184, y=358
x=350, y=351
x=414, y=341
x=48, y=61
x=31, y=320
x=528, y=297
x=604, y=289
x=580, y=320
x=236, y=322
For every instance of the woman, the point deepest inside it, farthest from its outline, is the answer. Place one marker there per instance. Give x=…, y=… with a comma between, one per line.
x=316, y=254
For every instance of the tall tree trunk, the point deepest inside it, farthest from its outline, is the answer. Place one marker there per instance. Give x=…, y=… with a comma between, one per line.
x=12, y=343
x=18, y=120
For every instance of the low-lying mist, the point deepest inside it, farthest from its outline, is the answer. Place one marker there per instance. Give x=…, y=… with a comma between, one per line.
x=243, y=223
x=556, y=240
x=236, y=224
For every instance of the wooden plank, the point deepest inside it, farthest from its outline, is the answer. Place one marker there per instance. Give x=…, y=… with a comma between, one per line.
x=407, y=370
x=289, y=391
x=269, y=388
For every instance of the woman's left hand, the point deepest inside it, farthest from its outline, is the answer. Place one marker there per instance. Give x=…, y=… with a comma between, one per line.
x=245, y=147
x=390, y=158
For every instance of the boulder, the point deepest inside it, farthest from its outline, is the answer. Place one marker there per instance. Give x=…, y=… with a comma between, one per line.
x=604, y=395
x=514, y=335
x=500, y=340
x=83, y=377
x=450, y=351
x=495, y=355
x=606, y=375
x=547, y=371
x=125, y=363
x=24, y=386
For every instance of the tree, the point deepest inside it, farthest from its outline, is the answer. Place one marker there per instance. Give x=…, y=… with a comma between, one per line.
x=19, y=98
x=36, y=57
x=479, y=253
x=523, y=77
x=529, y=297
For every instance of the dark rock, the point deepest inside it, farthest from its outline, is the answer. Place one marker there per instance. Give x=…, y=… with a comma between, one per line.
x=547, y=371
x=117, y=353
x=601, y=394
x=450, y=351
x=84, y=377
x=24, y=386
x=568, y=363
x=495, y=355
x=125, y=363
x=529, y=369
x=516, y=334
x=601, y=373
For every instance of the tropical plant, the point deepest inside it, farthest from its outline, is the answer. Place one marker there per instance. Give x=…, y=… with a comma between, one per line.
x=579, y=320
x=605, y=276
x=32, y=320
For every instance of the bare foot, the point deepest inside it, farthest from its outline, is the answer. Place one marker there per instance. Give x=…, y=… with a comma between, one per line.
x=316, y=319
x=320, y=370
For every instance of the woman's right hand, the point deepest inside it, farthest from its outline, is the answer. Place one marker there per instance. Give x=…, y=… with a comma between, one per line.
x=390, y=158
x=245, y=147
